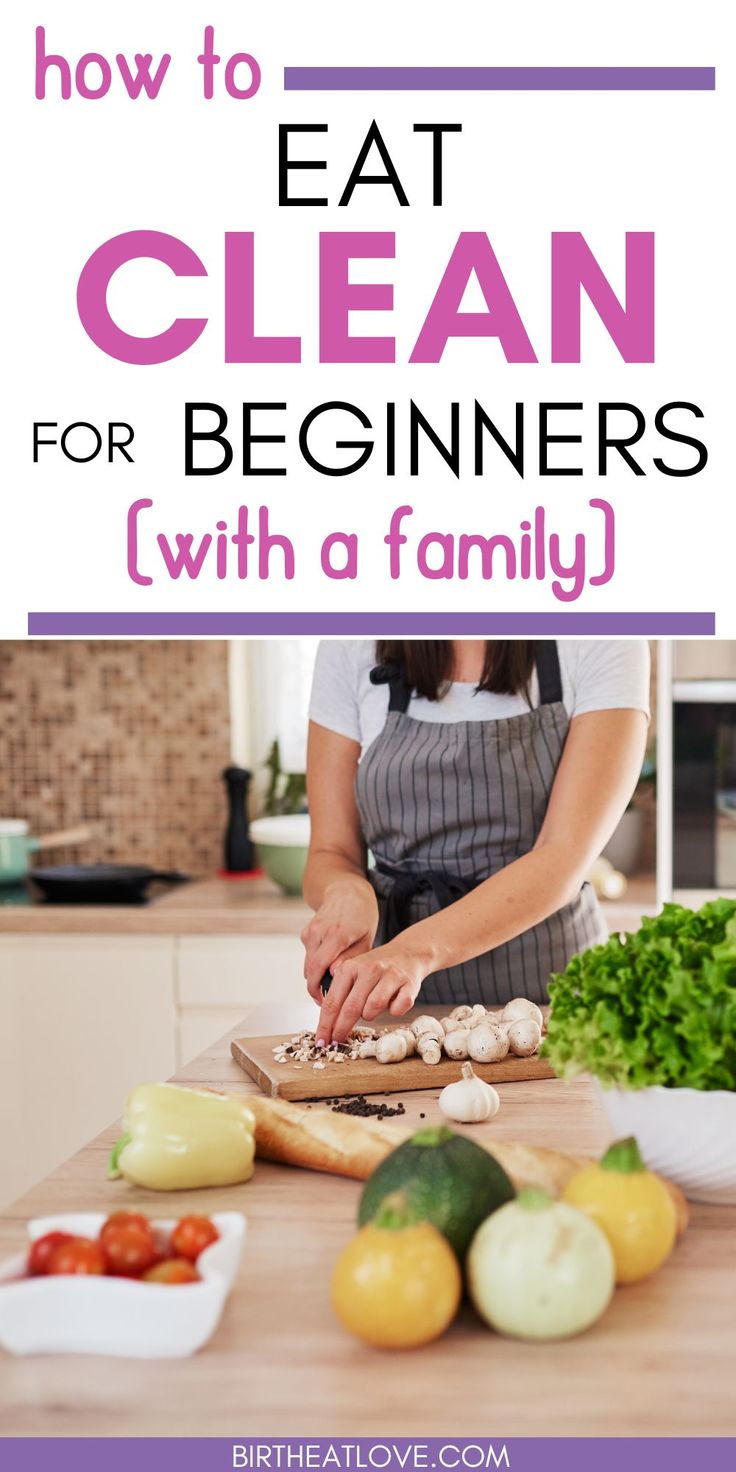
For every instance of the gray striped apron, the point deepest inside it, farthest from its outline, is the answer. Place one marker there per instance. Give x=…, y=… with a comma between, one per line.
x=444, y=805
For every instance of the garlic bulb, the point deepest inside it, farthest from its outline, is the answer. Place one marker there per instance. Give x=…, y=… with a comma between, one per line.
x=470, y=1099
x=487, y=1044
x=520, y=1008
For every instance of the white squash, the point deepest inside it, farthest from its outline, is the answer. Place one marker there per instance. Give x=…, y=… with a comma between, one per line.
x=539, y=1269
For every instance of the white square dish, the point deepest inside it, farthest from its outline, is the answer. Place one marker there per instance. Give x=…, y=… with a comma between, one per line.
x=116, y=1316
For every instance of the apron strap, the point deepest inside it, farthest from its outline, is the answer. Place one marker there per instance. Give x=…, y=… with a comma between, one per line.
x=446, y=888
x=392, y=674
x=548, y=672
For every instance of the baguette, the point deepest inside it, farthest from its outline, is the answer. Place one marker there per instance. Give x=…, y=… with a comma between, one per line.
x=317, y=1139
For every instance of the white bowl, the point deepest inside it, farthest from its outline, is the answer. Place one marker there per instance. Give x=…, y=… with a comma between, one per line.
x=287, y=830
x=117, y=1316
x=686, y=1134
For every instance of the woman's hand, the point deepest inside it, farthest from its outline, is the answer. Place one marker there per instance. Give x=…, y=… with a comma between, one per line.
x=344, y=925
x=364, y=985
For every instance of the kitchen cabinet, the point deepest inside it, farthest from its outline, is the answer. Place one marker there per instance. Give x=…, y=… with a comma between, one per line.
x=96, y=1014
x=221, y=979
x=107, y=1011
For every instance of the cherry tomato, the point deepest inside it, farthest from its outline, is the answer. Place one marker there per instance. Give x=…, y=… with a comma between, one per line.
x=173, y=1270
x=128, y=1250
x=125, y=1219
x=42, y=1251
x=191, y=1235
x=78, y=1255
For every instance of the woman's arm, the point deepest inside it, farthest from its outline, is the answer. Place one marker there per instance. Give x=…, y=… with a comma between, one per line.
x=335, y=882
x=595, y=779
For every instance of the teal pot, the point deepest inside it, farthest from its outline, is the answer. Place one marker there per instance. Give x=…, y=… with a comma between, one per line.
x=282, y=845
x=16, y=847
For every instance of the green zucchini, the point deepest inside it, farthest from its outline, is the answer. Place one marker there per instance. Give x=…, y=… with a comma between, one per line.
x=447, y=1179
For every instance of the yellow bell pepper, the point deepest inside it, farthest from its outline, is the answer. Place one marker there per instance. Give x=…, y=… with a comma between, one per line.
x=631, y=1205
x=179, y=1139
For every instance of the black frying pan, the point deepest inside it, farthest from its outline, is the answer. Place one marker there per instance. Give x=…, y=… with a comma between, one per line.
x=100, y=884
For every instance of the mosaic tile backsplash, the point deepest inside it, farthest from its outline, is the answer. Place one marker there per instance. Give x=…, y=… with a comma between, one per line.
x=129, y=737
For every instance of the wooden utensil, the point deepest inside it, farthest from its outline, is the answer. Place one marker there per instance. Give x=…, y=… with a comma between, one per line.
x=62, y=838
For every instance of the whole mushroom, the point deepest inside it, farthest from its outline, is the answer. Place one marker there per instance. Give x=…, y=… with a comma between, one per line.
x=487, y=1044
x=409, y=1038
x=427, y=1027
x=524, y=1037
x=390, y=1048
x=478, y=1014
x=429, y=1049
x=519, y=1008
x=461, y=1014
x=456, y=1043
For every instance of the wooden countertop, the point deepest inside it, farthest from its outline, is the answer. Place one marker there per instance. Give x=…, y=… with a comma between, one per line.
x=214, y=906
x=218, y=906
x=658, y=1363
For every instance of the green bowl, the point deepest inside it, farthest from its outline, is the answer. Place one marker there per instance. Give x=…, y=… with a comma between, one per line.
x=284, y=865
x=282, y=845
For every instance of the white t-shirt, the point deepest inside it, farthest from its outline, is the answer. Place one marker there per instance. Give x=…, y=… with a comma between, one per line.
x=597, y=674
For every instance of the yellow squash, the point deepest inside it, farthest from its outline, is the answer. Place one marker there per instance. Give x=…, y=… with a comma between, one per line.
x=631, y=1205
x=397, y=1284
x=180, y=1139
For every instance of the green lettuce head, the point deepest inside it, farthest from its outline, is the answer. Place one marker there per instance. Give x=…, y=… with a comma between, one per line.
x=655, y=1007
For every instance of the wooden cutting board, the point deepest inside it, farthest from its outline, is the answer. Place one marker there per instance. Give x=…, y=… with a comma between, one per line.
x=292, y=1080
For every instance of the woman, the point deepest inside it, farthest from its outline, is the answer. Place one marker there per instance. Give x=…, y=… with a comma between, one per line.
x=485, y=778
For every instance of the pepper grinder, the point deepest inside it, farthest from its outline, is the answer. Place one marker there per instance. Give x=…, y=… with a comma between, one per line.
x=239, y=851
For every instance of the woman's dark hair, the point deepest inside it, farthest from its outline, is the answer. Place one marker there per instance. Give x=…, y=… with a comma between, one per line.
x=507, y=667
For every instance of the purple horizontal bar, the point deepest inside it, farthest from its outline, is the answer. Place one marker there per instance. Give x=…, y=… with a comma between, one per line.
x=353, y=1454
x=369, y=625
x=499, y=79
